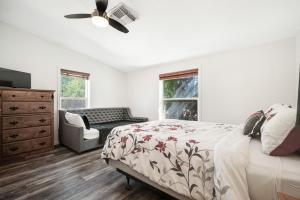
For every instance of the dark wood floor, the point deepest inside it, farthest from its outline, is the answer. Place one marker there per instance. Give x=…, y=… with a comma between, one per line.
x=63, y=174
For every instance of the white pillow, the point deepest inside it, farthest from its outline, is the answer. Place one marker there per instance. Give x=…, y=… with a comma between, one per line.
x=74, y=119
x=273, y=109
x=279, y=123
x=90, y=134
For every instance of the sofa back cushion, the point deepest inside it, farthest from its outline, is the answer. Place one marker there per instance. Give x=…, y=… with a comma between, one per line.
x=103, y=115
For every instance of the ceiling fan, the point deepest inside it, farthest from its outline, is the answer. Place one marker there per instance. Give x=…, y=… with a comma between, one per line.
x=99, y=17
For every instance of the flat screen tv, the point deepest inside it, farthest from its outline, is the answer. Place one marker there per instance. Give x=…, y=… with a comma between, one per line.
x=15, y=79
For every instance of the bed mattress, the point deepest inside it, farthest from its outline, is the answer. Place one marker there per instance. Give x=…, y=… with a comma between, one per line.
x=198, y=160
x=268, y=175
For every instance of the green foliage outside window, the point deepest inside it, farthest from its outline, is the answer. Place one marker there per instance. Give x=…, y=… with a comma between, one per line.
x=181, y=88
x=184, y=110
x=184, y=88
x=72, y=86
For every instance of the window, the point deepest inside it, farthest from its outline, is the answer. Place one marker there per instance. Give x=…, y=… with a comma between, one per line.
x=74, y=91
x=179, y=95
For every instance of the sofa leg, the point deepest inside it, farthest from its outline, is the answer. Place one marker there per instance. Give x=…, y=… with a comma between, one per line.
x=128, y=187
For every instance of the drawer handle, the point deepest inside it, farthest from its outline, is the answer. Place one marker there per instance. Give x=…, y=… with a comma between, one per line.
x=42, y=131
x=14, y=123
x=42, y=120
x=42, y=96
x=13, y=108
x=13, y=148
x=42, y=107
x=14, y=135
x=13, y=95
x=42, y=143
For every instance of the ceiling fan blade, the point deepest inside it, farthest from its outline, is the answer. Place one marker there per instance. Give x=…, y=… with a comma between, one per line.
x=78, y=16
x=101, y=6
x=117, y=25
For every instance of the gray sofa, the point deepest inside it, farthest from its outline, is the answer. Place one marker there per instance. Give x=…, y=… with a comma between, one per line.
x=103, y=119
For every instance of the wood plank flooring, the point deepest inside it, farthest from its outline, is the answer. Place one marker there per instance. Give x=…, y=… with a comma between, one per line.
x=65, y=175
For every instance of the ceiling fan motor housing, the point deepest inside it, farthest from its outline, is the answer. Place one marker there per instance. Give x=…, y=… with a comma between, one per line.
x=95, y=13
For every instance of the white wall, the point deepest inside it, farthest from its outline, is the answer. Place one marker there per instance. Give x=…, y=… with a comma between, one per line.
x=234, y=83
x=23, y=51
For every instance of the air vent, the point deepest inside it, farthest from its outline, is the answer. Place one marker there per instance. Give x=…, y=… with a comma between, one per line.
x=122, y=14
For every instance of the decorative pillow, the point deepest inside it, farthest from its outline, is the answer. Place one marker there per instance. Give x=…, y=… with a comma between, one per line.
x=279, y=133
x=74, y=119
x=92, y=133
x=86, y=122
x=290, y=145
x=254, y=123
x=273, y=109
x=276, y=107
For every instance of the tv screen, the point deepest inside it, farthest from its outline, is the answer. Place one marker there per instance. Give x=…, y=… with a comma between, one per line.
x=16, y=79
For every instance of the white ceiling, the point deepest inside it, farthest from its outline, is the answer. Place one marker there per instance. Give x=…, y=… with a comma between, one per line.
x=165, y=31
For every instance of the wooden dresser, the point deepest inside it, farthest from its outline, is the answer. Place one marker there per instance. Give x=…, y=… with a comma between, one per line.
x=26, y=122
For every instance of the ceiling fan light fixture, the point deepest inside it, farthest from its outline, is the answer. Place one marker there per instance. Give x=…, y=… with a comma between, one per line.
x=100, y=18
x=99, y=21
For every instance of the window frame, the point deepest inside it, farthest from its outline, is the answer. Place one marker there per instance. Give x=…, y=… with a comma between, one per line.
x=87, y=89
x=162, y=99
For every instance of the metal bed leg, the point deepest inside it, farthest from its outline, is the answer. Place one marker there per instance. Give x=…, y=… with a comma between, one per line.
x=128, y=187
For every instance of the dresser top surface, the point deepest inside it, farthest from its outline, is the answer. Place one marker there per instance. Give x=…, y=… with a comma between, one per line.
x=25, y=89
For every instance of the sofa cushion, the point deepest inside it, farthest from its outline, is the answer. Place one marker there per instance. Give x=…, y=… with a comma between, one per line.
x=105, y=128
x=110, y=125
x=92, y=133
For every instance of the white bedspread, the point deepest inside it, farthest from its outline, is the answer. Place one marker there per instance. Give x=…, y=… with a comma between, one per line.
x=231, y=159
x=185, y=156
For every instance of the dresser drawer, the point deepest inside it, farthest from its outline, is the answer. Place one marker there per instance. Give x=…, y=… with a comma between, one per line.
x=16, y=148
x=26, y=146
x=9, y=108
x=41, y=143
x=26, y=121
x=8, y=95
x=14, y=135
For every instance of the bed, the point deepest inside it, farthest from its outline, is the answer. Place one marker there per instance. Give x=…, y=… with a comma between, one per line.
x=199, y=160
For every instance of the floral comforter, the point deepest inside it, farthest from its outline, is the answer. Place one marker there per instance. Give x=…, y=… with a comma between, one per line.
x=179, y=155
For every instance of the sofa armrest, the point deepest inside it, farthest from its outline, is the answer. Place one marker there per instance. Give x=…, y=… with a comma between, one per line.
x=71, y=136
x=134, y=119
x=138, y=119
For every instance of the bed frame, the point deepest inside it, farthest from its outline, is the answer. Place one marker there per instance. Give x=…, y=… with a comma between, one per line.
x=131, y=174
